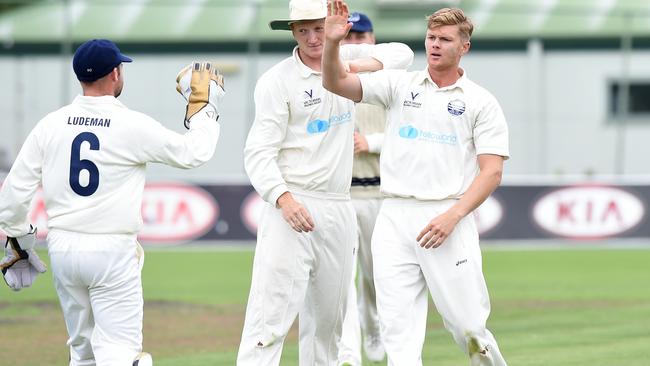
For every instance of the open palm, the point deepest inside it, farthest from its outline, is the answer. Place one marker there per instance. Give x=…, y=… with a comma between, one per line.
x=336, y=22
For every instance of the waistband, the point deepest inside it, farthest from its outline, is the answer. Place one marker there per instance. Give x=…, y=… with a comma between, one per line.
x=68, y=232
x=410, y=201
x=320, y=195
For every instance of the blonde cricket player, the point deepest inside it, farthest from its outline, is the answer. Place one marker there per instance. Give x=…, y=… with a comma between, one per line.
x=298, y=156
x=90, y=158
x=445, y=142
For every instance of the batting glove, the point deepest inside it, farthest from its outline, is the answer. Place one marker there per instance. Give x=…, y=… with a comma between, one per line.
x=19, y=266
x=201, y=84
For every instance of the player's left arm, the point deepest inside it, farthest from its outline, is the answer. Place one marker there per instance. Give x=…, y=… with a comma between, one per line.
x=487, y=180
x=201, y=85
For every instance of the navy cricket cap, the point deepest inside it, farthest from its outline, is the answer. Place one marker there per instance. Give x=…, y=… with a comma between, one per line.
x=96, y=58
x=360, y=22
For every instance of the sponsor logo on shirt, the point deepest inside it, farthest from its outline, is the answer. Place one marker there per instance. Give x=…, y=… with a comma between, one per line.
x=321, y=125
x=412, y=102
x=309, y=98
x=411, y=133
x=456, y=107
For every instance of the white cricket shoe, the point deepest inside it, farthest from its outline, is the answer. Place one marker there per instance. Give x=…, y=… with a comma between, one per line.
x=374, y=348
x=143, y=359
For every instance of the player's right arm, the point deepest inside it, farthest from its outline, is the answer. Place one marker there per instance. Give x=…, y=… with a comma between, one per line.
x=19, y=187
x=335, y=77
x=20, y=264
x=263, y=145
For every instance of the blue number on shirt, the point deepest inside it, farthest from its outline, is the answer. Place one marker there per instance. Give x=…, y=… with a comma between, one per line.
x=77, y=165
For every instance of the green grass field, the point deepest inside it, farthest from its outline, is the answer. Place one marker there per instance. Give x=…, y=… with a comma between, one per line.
x=549, y=307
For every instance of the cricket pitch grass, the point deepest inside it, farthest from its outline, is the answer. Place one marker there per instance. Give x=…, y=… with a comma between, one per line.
x=549, y=307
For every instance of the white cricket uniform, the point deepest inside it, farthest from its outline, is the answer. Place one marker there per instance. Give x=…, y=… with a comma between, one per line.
x=361, y=308
x=429, y=159
x=301, y=142
x=90, y=157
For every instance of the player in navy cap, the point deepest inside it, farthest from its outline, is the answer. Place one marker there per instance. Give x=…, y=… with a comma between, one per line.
x=361, y=31
x=90, y=158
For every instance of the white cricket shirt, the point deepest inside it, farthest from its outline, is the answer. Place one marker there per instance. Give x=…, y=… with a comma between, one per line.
x=90, y=157
x=302, y=136
x=433, y=135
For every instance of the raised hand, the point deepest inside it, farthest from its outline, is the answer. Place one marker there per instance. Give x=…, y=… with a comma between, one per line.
x=336, y=22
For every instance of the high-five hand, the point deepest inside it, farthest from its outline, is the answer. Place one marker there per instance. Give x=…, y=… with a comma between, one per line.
x=336, y=22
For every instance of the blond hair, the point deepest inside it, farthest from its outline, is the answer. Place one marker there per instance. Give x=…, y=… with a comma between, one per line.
x=451, y=16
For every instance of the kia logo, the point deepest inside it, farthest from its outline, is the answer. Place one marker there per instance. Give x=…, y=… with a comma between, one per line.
x=588, y=212
x=176, y=212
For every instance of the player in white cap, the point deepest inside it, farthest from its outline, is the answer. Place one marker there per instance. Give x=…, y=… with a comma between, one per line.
x=445, y=142
x=368, y=136
x=90, y=158
x=298, y=156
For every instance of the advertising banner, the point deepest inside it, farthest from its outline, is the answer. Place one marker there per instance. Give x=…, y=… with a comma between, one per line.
x=175, y=213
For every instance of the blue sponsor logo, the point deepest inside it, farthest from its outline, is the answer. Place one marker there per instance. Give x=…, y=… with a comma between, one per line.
x=411, y=133
x=456, y=107
x=321, y=125
x=318, y=126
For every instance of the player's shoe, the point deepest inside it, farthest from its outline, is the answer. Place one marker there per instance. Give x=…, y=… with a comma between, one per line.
x=374, y=348
x=143, y=359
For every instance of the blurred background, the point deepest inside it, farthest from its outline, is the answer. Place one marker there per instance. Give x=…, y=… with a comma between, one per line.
x=573, y=77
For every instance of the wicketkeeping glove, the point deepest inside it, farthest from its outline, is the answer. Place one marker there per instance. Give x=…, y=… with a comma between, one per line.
x=201, y=84
x=19, y=266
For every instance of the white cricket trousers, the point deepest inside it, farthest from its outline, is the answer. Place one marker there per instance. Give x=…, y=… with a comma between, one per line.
x=452, y=273
x=97, y=278
x=361, y=308
x=305, y=274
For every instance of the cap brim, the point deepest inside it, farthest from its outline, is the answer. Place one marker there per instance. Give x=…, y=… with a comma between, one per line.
x=125, y=58
x=285, y=24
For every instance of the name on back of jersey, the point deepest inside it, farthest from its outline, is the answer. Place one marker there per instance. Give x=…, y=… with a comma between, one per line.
x=89, y=121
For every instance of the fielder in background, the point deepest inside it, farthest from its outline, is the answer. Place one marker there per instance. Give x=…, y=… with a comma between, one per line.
x=90, y=158
x=368, y=136
x=298, y=156
x=446, y=140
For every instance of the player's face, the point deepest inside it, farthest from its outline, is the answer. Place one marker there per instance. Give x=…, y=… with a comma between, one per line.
x=444, y=47
x=310, y=35
x=359, y=38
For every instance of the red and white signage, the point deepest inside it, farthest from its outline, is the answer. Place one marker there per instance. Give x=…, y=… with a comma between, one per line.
x=251, y=210
x=488, y=215
x=588, y=212
x=176, y=212
x=170, y=213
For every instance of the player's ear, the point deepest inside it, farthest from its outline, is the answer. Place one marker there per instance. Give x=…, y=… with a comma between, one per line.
x=115, y=74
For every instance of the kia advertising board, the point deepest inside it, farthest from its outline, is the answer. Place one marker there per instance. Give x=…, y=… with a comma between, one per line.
x=176, y=213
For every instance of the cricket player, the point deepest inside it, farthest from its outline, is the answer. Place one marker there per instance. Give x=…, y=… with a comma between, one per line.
x=445, y=142
x=368, y=136
x=90, y=158
x=298, y=156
